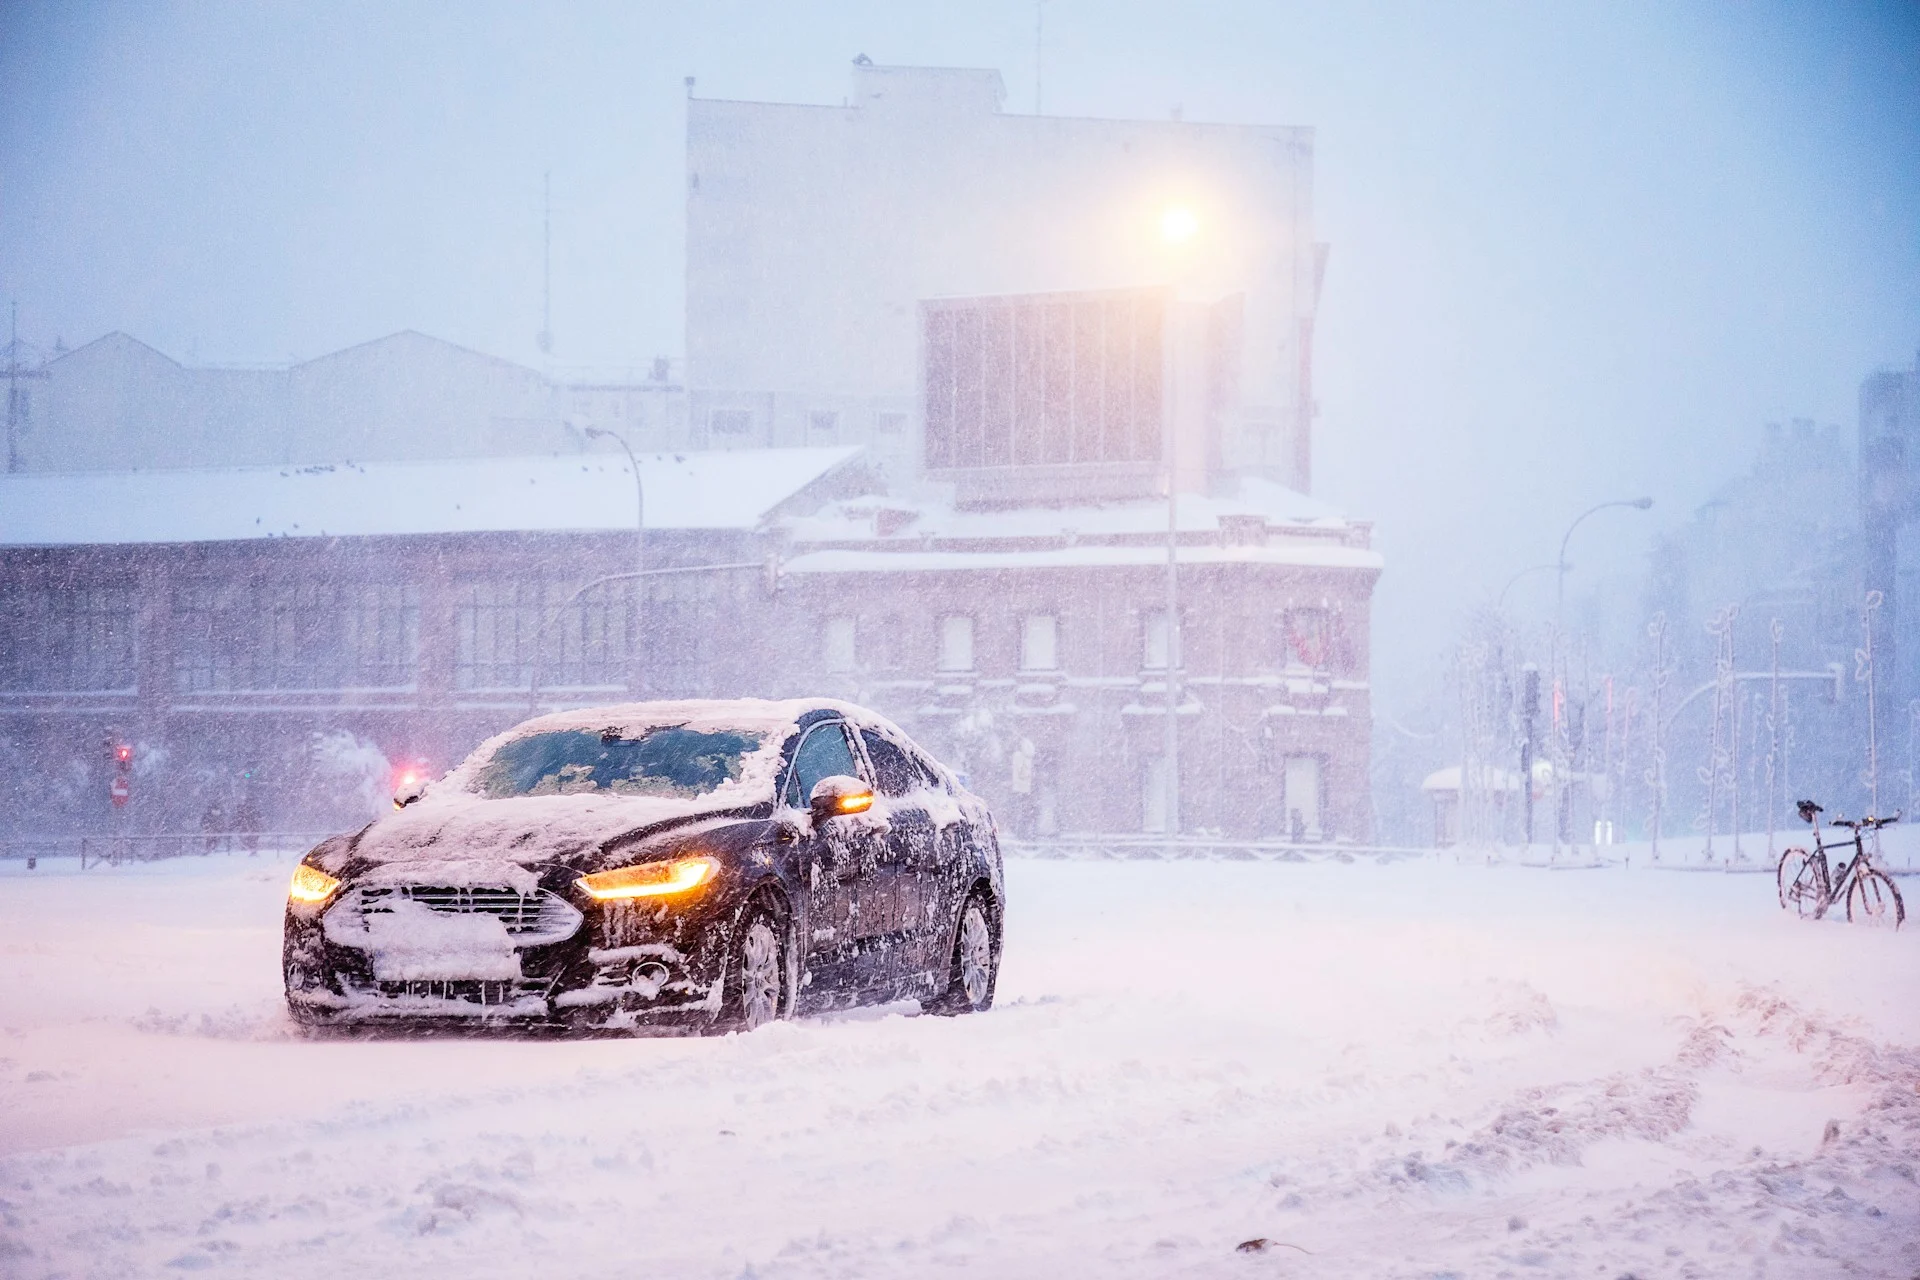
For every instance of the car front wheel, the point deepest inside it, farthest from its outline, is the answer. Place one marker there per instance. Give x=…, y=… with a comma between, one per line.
x=758, y=974
x=975, y=966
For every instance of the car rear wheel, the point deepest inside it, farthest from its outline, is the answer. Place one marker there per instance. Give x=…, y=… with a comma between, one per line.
x=758, y=972
x=975, y=967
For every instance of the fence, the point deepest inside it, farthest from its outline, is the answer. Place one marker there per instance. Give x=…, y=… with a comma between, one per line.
x=1153, y=848
x=116, y=849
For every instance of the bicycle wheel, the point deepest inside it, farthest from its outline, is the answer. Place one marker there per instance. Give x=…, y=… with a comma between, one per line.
x=1802, y=880
x=1875, y=899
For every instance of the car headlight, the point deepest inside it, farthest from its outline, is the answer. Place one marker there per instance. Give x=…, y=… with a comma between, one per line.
x=311, y=885
x=650, y=879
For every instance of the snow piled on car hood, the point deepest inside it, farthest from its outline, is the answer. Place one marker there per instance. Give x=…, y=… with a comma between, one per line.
x=453, y=821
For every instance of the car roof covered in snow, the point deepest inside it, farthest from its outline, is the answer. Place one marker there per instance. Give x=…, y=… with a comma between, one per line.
x=722, y=489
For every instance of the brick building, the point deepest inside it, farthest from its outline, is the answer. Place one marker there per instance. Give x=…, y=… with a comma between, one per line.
x=952, y=373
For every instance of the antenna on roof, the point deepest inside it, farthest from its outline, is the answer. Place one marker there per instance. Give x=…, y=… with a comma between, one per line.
x=1039, y=15
x=544, y=340
x=16, y=395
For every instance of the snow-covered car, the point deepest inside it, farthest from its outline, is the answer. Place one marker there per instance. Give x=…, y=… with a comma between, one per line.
x=699, y=865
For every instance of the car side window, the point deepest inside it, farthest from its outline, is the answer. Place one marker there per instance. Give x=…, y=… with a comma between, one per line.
x=822, y=754
x=929, y=773
x=893, y=771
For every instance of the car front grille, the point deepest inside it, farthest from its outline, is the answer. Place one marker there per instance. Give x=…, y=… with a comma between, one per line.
x=465, y=990
x=530, y=919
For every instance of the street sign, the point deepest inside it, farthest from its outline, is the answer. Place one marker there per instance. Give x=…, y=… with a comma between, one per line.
x=121, y=790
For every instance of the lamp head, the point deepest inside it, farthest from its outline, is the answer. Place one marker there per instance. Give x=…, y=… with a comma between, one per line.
x=1178, y=225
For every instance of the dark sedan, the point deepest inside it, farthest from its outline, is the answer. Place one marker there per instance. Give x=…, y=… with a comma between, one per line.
x=700, y=865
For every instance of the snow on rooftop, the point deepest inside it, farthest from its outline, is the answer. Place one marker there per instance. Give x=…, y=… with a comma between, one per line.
x=1298, y=555
x=932, y=516
x=733, y=489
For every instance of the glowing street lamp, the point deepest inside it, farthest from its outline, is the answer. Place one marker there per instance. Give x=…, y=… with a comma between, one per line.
x=1178, y=225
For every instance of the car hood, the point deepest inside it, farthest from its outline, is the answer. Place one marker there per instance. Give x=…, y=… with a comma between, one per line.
x=527, y=830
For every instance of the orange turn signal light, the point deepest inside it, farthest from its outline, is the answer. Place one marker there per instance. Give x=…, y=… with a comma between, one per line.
x=854, y=802
x=649, y=879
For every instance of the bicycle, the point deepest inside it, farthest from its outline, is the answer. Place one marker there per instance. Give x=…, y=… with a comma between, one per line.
x=1808, y=887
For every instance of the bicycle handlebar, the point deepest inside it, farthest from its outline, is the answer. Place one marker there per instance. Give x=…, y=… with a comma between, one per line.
x=1867, y=823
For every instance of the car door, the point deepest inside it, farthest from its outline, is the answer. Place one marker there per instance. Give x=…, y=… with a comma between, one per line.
x=847, y=899
x=910, y=860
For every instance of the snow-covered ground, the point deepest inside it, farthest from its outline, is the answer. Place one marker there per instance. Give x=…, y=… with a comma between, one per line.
x=1422, y=1069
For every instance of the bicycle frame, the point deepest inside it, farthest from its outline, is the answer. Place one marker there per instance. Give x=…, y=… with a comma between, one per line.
x=1815, y=886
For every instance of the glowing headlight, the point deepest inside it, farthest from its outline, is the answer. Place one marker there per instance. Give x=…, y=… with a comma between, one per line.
x=650, y=879
x=310, y=884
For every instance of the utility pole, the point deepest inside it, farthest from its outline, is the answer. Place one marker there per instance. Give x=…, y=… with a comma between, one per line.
x=545, y=339
x=1039, y=17
x=1657, y=761
x=1171, y=748
x=1774, y=630
x=1863, y=671
x=16, y=397
x=1529, y=710
x=639, y=551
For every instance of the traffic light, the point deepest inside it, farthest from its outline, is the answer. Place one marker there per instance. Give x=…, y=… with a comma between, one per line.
x=120, y=789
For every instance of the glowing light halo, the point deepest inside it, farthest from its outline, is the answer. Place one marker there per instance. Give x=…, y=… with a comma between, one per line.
x=310, y=885
x=1179, y=224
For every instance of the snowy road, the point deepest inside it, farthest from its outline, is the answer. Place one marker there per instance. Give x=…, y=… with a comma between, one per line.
x=1414, y=1070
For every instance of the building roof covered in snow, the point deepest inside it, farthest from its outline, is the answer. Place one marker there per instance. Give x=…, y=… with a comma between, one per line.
x=735, y=489
x=1254, y=521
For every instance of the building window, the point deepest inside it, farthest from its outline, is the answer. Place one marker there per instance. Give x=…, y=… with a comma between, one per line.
x=497, y=632
x=1301, y=789
x=1024, y=381
x=383, y=636
x=839, y=648
x=1308, y=638
x=1040, y=643
x=258, y=636
x=822, y=422
x=1153, y=794
x=956, y=642
x=68, y=640
x=890, y=424
x=730, y=422
x=1153, y=639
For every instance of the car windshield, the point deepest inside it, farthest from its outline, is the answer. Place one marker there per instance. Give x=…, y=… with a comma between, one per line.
x=668, y=761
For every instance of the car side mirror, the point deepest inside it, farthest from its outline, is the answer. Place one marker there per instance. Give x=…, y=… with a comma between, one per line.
x=408, y=793
x=838, y=796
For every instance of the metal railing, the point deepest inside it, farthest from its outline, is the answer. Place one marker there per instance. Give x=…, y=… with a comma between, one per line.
x=1157, y=848
x=114, y=849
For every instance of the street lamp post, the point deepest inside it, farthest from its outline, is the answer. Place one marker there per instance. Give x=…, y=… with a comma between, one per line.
x=1559, y=632
x=639, y=544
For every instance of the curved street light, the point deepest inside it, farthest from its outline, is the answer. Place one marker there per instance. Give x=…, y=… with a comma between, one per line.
x=1560, y=565
x=1500, y=602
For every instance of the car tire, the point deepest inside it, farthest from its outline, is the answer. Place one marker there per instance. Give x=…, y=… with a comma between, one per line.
x=974, y=968
x=756, y=971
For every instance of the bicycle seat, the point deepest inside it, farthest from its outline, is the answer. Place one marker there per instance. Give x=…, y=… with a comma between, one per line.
x=1807, y=809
